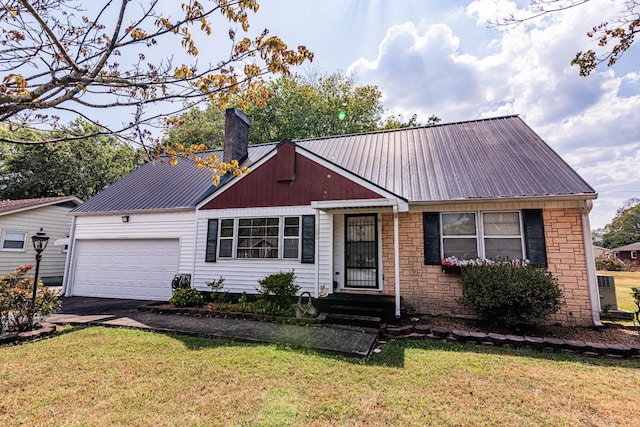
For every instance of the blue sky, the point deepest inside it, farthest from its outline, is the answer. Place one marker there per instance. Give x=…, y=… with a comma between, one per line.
x=441, y=57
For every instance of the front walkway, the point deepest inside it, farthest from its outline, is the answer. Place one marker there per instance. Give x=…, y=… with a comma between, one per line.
x=118, y=312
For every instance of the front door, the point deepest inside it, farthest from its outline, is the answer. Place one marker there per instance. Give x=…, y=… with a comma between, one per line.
x=361, y=251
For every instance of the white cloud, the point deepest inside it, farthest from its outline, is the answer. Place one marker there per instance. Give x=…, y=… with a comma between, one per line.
x=525, y=70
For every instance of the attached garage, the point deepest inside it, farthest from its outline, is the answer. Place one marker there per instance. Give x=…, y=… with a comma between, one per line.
x=134, y=269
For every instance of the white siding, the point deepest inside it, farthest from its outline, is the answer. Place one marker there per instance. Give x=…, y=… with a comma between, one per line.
x=242, y=275
x=324, y=237
x=55, y=223
x=169, y=225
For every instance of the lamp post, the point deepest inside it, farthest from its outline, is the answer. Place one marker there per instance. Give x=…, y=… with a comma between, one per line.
x=40, y=241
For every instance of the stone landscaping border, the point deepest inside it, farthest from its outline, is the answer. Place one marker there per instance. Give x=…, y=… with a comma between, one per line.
x=46, y=330
x=612, y=351
x=164, y=308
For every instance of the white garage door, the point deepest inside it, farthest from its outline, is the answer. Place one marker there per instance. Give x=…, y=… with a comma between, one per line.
x=135, y=269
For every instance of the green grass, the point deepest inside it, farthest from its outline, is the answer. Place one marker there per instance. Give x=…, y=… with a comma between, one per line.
x=113, y=377
x=624, y=281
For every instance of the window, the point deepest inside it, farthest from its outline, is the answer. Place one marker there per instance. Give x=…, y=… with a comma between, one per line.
x=634, y=255
x=490, y=235
x=226, y=238
x=291, y=238
x=258, y=237
x=288, y=237
x=13, y=240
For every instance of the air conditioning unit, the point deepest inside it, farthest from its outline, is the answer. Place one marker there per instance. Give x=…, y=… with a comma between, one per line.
x=181, y=281
x=607, y=290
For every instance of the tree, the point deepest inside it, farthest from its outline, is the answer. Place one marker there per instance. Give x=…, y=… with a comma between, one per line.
x=308, y=106
x=624, y=228
x=316, y=105
x=56, y=58
x=617, y=37
x=81, y=168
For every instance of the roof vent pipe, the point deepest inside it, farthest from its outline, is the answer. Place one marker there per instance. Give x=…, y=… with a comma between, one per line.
x=236, y=136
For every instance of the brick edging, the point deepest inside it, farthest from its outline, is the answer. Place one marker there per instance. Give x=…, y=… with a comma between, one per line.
x=613, y=351
x=46, y=329
x=162, y=308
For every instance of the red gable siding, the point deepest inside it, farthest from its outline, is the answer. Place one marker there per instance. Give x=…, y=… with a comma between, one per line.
x=289, y=179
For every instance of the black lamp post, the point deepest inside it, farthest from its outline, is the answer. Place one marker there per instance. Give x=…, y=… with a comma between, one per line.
x=40, y=241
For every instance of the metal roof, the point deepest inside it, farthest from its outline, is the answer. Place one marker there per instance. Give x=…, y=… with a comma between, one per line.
x=12, y=206
x=480, y=159
x=489, y=158
x=157, y=185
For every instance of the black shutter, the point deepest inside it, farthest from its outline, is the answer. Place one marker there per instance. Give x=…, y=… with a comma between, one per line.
x=534, y=237
x=212, y=241
x=308, y=239
x=431, y=231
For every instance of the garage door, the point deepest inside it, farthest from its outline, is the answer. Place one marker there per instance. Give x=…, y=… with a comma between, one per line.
x=135, y=269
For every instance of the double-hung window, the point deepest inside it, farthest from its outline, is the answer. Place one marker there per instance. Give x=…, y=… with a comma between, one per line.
x=488, y=235
x=13, y=240
x=259, y=238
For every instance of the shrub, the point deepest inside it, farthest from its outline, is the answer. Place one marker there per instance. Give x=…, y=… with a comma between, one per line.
x=279, y=288
x=216, y=288
x=609, y=263
x=510, y=295
x=187, y=297
x=16, y=311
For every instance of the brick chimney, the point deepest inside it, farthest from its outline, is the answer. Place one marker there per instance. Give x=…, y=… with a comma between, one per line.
x=236, y=136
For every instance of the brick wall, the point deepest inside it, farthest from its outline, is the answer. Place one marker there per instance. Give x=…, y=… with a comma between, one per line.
x=426, y=289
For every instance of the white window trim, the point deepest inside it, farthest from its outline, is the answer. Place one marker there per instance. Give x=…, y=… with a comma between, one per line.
x=634, y=254
x=479, y=235
x=281, y=238
x=24, y=241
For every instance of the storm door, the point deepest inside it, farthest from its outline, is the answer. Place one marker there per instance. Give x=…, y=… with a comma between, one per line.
x=361, y=251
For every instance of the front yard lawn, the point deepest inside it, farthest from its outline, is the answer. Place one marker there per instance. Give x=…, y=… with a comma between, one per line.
x=109, y=376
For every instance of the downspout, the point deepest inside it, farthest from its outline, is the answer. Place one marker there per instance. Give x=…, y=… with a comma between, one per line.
x=594, y=294
x=396, y=258
x=67, y=262
x=316, y=254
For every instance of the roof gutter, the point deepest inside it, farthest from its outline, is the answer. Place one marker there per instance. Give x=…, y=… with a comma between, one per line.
x=594, y=294
x=133, y=211
x=563, y=197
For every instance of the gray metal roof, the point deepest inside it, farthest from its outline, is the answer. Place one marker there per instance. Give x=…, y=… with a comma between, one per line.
x=489, y=158
x=158, y=185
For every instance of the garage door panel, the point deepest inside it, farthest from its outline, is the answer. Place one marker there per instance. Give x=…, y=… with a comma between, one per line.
x=136, y=269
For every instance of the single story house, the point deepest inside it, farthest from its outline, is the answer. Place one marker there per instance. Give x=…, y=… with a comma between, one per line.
x=628, y=252
x=371, y=213
x=21, y=219
x=599, y=251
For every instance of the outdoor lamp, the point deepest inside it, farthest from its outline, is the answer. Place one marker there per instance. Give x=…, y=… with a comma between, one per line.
x=40, y=241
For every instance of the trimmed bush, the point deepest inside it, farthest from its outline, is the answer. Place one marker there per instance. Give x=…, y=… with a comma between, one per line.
x=510, y=295
x=279, y=288
x=187, y=297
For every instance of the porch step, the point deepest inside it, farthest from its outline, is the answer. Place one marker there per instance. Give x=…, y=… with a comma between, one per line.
x=354, y=320
x=381, y=306
x=356, y=310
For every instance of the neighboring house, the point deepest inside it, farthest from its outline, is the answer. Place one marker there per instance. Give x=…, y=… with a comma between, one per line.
x=21, y=219
x=368, y=213
x=599, y=251
x=628, y=252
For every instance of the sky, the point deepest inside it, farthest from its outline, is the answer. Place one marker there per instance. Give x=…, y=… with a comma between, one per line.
x=442, y=57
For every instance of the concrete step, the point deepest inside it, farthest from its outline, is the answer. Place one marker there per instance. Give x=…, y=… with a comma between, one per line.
x=356, y=310
x=354, y=320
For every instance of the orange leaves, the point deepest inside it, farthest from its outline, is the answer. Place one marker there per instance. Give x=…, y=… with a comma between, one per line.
x=137, y=33
x=183, y=72
x=196, y=153
x=16, y=84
